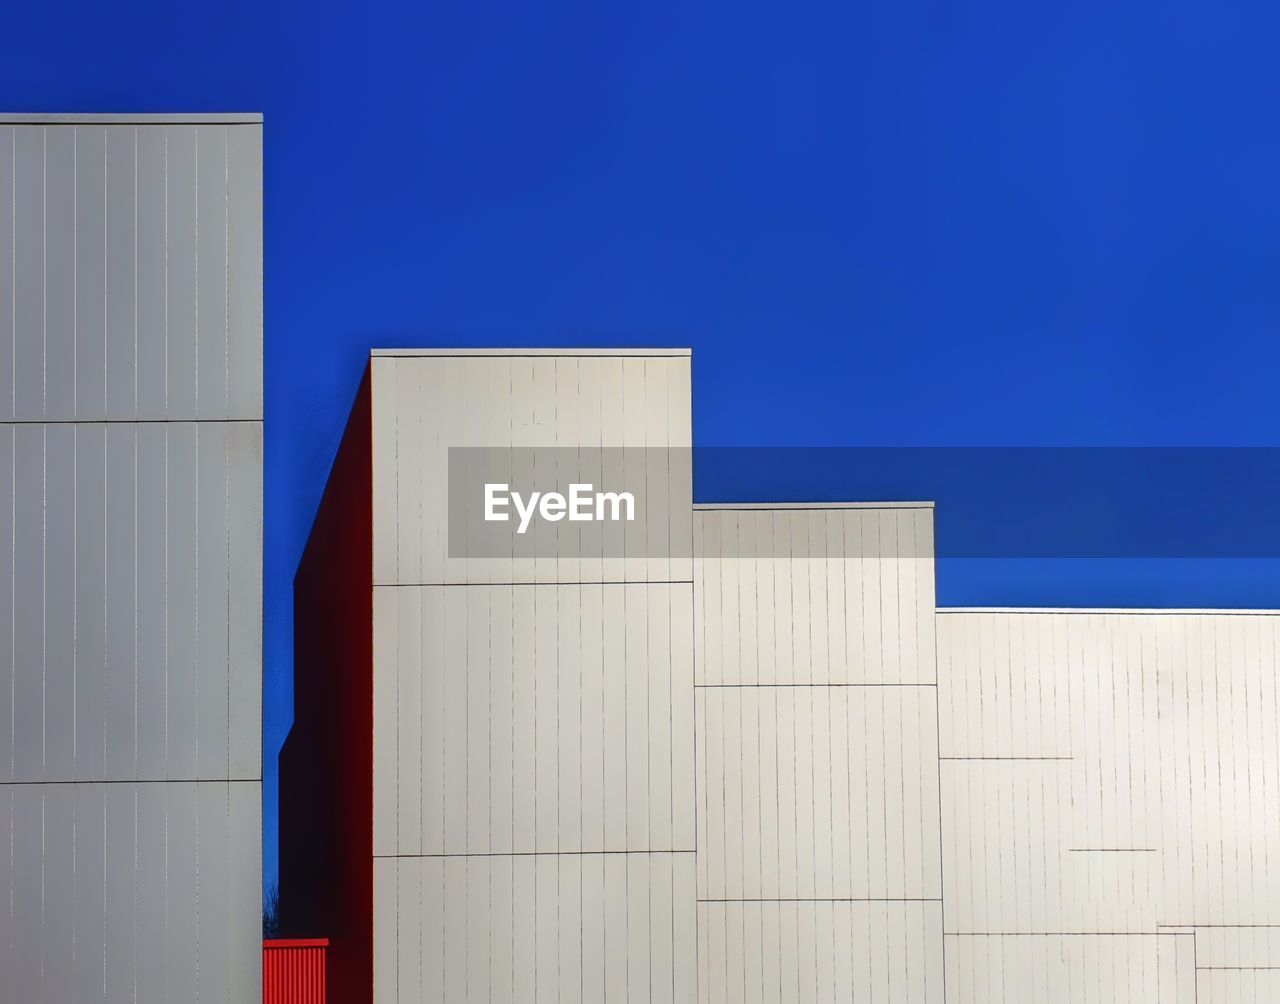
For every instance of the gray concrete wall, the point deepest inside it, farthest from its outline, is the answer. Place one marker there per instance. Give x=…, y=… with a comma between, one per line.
x=130, y=558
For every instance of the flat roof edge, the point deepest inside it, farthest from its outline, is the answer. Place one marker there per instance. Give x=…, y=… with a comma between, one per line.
x=765, y=506
x=516, y=352
x=130, y=118
x=1144, y=611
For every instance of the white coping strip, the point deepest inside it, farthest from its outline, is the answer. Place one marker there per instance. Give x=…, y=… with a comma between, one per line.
x=128, y=118
x=517, y=351
x=1154, y=611
x=751, y=506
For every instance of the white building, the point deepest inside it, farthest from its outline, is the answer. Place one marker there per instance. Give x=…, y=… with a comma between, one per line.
x=736, y=753
x=130, y=558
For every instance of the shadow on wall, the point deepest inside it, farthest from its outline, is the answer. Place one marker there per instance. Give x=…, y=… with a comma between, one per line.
x=326, y=764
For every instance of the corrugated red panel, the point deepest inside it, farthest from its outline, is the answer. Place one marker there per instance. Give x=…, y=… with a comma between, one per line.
x=293, y=971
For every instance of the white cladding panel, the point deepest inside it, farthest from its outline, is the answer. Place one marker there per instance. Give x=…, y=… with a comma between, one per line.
x=130, y=561
x=1238, y=947
x=1073, y=969
x=803, y=952
x=131, y=584
x=818, y=793
x=531, y=718
x=584, y=928
x=1110, y=773
x=130, y=272
x=1257, y=986
x=422, y=406
x=819, y=876
x=808, y=595
x=132, y=889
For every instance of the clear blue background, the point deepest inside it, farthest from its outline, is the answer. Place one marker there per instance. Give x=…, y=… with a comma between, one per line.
x=895, y=223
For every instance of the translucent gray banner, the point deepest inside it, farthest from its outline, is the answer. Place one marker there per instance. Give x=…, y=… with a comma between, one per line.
x=991, y=502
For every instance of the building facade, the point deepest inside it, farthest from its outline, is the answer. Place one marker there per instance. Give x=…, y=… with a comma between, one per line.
x=130, y=558
x=736, y=752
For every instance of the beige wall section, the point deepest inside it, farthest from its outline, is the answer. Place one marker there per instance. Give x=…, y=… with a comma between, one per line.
x=803, y=952
x=1222, y=986
x=529, y=718
x=1073, y=969
x=533, y=719
x=423, y=405
x=579, y=928
x=1113, y=772
x=819, y=876
x=818, y=793
x=837, y=595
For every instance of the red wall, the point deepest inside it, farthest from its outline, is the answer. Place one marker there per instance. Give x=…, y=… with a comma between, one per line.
x=326, y=764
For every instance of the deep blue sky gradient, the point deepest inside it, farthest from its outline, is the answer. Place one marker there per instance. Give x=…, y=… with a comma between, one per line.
x=906, y=223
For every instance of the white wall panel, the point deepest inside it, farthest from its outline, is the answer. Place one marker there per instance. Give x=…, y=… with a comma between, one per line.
x=995, y=681
x=1220, y=986
x=182, y=892
x=28, y=308
x=533, y=716
x=106, y=627
x=135, y=927
x=8, y=625
x=213, y=607
x=1070, y=969
x=242, y=499
x=1013, y=861
x=184, y=223
x=489, y=735
x=120, y=240
x=212, y=315
x=26, y=728
x=1238, y=947
x=242, y=362
x=244, y=885
x=151, y=813
x=1109, y=772
x=820, y=951
x=150, y=334
x=90, y=610
x=130, y=568
x=8, y=233
x=104, y=236
x=91, y=269
x=214, y=893
x=60, y=581
x=818, y=792
x=423, y=405
x=589, y=927
x=25, y=881
x=814, y=595
x=819, y=872
x=59, y=367
x=150, y=655
x=1146, y=794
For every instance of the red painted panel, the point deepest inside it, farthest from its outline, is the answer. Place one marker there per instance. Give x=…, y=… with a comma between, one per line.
x=326, y=765
x=293, y=971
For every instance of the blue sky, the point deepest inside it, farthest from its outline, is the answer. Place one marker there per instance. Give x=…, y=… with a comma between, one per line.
x=911, y=223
